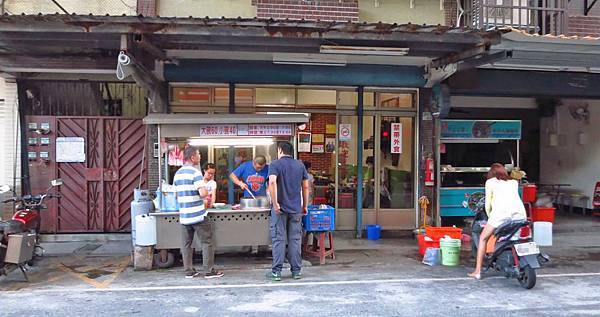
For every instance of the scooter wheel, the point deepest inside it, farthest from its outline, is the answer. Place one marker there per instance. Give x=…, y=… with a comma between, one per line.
x=169, y=261
x=527, y=277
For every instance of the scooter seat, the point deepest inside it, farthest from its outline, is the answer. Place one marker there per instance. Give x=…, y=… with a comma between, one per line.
x=11, y=226
x=510, y=227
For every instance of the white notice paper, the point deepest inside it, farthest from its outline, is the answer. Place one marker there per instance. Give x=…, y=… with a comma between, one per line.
x=70, y=150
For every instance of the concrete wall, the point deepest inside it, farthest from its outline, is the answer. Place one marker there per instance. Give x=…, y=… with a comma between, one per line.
x=399, y=11
x=99, y=7
x=202, y=8
x=571, y=162
x=391, y=11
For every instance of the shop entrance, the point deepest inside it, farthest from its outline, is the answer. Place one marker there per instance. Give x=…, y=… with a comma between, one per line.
x=388, y=162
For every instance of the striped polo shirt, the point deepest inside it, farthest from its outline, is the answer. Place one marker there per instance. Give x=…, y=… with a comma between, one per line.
x=187, y=180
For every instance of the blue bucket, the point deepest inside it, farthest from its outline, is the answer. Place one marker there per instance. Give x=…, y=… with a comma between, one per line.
x=373, y=232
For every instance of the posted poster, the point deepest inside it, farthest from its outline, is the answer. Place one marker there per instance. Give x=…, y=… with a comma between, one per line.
x=318, y=138
x=329, y=145
x=70, y=150
x=345, y=132
x=304, y=142
x=396, y=144
x=330, y=128
x=318, y=148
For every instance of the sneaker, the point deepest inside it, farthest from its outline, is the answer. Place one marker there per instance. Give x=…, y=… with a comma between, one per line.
x=191, y=274
x=276, y=277
x=213, y=274
x=296, y=275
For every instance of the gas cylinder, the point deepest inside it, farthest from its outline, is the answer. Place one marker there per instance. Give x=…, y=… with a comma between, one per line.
x=141, y=205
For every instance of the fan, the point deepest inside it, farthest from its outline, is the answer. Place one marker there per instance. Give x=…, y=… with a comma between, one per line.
x=580, y=113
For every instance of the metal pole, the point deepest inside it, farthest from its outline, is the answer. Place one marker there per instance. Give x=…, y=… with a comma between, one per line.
x=231, y=152
x=230, y=165
x=159, y=169
x=359, y=159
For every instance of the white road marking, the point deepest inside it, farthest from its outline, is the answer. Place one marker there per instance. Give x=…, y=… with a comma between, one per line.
x=280, y=284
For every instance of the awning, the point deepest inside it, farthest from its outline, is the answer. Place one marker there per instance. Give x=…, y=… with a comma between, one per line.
x=70, y=43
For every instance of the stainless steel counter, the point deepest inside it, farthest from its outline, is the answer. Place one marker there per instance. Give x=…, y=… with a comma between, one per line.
x=232, y=228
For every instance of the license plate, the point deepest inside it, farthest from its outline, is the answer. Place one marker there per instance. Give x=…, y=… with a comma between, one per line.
x=528, y=248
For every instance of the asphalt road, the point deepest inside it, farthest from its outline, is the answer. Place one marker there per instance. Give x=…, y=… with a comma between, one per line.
x=555, y=295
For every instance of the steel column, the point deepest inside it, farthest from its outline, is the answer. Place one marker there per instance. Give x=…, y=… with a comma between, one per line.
x=359, y=159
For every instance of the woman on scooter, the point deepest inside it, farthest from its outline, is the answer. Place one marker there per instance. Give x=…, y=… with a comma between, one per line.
x=502, y=204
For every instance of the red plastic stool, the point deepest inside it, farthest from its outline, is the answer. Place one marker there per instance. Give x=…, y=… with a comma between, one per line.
x=318, y=248
x=320, y=201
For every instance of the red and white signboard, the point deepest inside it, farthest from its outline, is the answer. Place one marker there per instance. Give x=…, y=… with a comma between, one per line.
x=212, y=130
x=396, y=144
x=218, y=130
x=264, y=129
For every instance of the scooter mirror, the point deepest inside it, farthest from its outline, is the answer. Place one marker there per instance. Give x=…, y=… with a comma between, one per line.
x=4, y=189
x=56, y=182
x=465, y=204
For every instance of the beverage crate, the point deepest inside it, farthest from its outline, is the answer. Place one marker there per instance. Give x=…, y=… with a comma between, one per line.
x=319, y=218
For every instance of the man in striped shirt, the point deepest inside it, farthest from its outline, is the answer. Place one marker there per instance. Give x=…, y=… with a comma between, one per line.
x=192, y=216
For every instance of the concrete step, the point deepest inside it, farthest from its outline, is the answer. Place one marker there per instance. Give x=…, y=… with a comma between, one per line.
x=85, y=237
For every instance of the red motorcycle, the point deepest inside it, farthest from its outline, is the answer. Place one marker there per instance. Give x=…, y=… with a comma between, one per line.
x=19, y=237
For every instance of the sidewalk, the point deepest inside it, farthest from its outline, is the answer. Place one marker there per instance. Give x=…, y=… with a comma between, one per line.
x=576, y=243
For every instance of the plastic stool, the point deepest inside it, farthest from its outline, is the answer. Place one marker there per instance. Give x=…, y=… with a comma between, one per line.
x=318, y=248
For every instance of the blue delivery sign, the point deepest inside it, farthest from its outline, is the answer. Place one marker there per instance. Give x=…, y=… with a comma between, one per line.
x=481, y=129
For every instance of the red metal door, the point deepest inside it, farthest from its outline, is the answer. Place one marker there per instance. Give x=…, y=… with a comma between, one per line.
x=97, y=193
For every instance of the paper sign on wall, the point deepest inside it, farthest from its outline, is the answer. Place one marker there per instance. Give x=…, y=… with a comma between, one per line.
x=330, y=128
x=70, y=149
x=396, y=141
x=345, y=132
x=304, y=142
x=318, y=148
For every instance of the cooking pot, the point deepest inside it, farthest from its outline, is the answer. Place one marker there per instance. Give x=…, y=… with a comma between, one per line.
x=258, y=202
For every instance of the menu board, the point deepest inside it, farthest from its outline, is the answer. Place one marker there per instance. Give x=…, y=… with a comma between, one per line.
x=265, y=129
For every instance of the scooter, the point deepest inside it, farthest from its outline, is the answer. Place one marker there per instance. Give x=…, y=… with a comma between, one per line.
x=19, y=237
x=508, y=250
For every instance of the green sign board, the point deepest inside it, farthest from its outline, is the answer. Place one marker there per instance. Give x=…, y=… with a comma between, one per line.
x=481, y=129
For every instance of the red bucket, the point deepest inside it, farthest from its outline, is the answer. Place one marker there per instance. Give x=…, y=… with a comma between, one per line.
x=424, y=244
x=529, y=193
x=542, y=214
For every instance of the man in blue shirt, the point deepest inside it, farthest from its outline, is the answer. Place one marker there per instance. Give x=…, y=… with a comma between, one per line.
x=288, y=188
x=253, y=176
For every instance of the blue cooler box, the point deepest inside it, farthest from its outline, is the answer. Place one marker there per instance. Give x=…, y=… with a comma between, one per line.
x=319, y=218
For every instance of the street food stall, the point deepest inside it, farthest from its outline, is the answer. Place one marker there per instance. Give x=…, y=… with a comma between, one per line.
x=226, y=140
x=467, y=150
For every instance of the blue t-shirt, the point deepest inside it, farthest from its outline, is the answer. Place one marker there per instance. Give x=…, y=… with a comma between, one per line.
x=256, y=181
x=290, y=174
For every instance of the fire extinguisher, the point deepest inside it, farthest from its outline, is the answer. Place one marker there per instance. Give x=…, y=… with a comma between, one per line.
x=429, y=177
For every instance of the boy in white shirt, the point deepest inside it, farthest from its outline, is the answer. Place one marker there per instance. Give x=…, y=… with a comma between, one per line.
x=209, y=184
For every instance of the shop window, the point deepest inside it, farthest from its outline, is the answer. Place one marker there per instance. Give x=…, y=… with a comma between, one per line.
x=310, y=97
x=244, y=100
x=190, y=99
x=349, y=99
x=395, y=100
x=347, y=162
x=396, y=163
x=275, y=96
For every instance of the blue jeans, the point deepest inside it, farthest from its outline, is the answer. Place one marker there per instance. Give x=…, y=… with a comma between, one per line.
x=286, y=227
